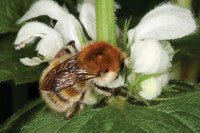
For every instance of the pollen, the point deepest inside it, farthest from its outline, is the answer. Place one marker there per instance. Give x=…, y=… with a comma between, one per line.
x=23, y=45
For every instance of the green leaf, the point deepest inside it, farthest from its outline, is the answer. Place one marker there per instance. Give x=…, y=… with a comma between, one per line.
x=177, y=115
x=11, y=68
x=10, y=12
x=174, y=90
x=15, y=122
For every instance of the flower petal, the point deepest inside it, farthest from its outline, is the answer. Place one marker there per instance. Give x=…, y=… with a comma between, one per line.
x=149, y=57
x=65, y=8
x=50, y=43
x=44, y=7
x=69, y=27
x=66, y=24
x=152, y=87
x=163, y=23
x=88, y=18
x=49, y=46
x=31, y=61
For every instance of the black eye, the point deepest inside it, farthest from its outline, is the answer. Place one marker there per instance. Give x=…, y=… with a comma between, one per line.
x=121, y=66
x=105, y=71
x=67, y=51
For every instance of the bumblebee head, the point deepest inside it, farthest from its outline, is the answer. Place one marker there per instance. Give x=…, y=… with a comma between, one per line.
x=103, y=59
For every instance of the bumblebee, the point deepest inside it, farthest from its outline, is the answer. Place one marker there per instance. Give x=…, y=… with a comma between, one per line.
x=65, y=83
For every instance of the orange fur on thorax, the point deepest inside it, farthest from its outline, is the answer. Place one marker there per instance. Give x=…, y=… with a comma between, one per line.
x=100, y=56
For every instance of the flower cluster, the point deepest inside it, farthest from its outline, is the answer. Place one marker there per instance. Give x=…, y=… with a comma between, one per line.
x=151, y=53
x=67, y=28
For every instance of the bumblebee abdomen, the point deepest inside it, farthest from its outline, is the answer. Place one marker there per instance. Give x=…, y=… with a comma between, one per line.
x=55, y=101
x=63, y=100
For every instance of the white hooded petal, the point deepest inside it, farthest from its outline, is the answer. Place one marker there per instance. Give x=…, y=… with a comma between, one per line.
x=149, y=57
x=44, y=7
x=31, y=61
x=69, y=27
x=49, y=46
x=50, y=43
x=152, y=87
x=88, y=18
x=66, y=24
x=163, y=23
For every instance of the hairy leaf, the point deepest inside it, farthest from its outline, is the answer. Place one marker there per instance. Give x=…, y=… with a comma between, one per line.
x=178, y=115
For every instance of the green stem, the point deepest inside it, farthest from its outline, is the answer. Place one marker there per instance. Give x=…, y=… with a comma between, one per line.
x=105, y=21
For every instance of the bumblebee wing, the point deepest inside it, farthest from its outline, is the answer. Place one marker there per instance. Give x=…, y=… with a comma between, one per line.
x=64, y=75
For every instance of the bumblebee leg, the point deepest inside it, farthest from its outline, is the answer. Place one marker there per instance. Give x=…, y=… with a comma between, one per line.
x=102, y=103
x=113, y=91
x=61, y=116
x=76, y=107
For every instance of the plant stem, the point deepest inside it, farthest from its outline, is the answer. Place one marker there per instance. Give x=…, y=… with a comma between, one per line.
x=105, y=21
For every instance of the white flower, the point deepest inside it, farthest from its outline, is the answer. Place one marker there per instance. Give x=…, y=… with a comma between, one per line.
x=150, y=57
x=53, y=39
x=50, y=43
x=88, y=17
x=165, y=22
x=152, y=87
x=162, y=23
x=150, y=52
x=31, y=62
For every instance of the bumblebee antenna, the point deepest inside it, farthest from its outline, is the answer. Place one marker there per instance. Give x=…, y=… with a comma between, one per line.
x=126, y=73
